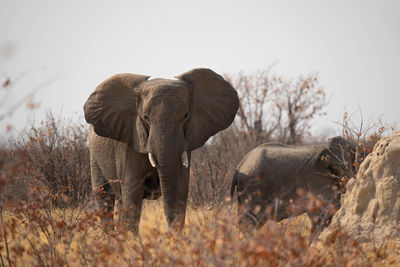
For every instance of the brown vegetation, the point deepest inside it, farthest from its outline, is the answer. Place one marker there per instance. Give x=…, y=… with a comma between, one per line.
x=47, y=217
x=53, y=156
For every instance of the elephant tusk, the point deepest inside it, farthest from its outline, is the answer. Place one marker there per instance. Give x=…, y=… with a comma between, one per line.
x=185, y=161
x=152, y=160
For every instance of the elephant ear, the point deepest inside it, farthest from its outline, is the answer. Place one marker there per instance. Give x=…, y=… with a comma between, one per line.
x=112, y=110
x=214, y=105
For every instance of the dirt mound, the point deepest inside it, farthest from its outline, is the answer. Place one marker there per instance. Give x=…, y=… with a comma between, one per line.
x=370, y=209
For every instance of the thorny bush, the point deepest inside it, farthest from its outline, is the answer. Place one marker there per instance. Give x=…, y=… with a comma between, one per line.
x=53, y=156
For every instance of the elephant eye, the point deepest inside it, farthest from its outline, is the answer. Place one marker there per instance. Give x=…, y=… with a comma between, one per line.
x=146, y=118
x=186, y=115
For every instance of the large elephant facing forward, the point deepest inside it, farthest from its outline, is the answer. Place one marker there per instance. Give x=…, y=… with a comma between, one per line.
x=142, y=134
x=271, y=176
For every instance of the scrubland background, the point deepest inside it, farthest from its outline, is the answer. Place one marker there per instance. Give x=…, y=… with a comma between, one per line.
x=48, y=217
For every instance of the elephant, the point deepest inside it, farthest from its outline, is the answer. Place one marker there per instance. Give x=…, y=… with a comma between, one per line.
x=141, y=135
x=272, y=178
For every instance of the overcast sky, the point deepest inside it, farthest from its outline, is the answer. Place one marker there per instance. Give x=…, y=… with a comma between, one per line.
x=67, y=48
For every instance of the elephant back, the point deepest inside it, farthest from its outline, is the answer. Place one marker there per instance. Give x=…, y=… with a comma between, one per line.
x=274, y=159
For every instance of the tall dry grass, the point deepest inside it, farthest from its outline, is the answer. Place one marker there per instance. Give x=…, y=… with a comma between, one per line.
x=47, y=236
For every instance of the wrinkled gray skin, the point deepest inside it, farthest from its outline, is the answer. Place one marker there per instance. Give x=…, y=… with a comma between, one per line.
x=269, y=177
x=142, y=134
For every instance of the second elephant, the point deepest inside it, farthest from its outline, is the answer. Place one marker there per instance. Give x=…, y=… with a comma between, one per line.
x=270, y=177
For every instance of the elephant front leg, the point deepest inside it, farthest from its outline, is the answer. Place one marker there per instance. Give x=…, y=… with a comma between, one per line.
x=105, y=202
x=132, y=198
x=104, y=196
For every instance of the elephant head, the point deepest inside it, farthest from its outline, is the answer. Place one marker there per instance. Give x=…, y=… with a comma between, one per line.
x=338, y=157
x=165, y=119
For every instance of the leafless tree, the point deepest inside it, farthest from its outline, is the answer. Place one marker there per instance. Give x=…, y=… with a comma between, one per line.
x=276, y=108
x=301, y=100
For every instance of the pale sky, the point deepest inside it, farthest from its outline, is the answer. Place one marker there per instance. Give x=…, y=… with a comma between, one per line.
x=354, y=46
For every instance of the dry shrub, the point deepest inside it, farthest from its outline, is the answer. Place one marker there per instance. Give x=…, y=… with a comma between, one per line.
x=39, y=234
x=363, y=134
x=54, y=157
x=212, y=169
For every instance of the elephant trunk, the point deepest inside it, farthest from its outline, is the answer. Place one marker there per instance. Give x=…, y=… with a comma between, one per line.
x=167, y=153
x=174, y=192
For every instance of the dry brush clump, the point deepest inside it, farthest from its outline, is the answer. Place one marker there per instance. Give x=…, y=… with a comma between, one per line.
x=53, y=156
x=38, y=234
x=363, y=134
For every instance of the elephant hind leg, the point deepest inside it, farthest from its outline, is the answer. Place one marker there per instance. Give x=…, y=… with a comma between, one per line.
x=248, y=221
x=252, y=213
x=104, y=196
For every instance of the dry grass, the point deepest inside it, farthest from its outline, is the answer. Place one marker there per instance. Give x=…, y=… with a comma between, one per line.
x=57, y=237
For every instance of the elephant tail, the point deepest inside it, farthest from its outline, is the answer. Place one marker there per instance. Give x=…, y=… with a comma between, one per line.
x=234, y=183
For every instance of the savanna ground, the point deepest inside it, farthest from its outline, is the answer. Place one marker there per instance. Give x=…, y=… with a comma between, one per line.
x=48, y=217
